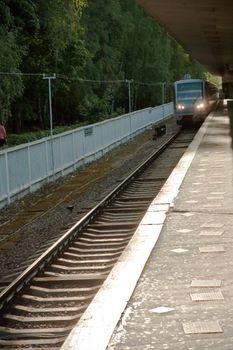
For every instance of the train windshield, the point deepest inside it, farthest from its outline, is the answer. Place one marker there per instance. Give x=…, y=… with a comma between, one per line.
x=189, y=91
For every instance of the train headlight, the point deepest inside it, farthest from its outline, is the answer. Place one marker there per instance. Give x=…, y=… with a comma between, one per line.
x=200, y=105
x=180, y=107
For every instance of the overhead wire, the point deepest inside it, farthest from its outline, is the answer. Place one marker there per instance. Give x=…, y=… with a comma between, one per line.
x=119, y=81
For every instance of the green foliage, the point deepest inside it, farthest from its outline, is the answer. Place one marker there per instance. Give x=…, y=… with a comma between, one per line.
x=214, y=79
x=10, y=59
x=83, y=41
x=15, y=139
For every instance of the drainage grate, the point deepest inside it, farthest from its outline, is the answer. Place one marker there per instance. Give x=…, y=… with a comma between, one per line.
x=211, y=233
x=207, y=296
x=206, y=283
x=212, y=249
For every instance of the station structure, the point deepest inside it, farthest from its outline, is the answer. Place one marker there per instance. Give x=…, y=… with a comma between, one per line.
x=203, y=28
x=172, y=287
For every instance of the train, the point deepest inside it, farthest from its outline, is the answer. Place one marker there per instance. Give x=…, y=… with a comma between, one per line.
x=193, y=99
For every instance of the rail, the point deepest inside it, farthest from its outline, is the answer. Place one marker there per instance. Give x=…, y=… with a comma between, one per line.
x=72, y=233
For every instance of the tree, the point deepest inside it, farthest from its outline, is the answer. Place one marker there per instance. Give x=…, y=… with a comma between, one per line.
x=10, y=59
x=93, y=47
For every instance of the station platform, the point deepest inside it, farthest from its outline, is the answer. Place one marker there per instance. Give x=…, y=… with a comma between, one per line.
x=172, y=288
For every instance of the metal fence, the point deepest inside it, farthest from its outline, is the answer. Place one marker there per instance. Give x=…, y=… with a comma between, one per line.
x=27, y=167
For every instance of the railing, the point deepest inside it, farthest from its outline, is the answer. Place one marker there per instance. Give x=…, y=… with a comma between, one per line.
x=27, y=167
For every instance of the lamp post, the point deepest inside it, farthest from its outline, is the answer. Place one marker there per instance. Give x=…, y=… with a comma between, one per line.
x=50, y=100
x=51, y=119
x=163, y=95
x=129, y=82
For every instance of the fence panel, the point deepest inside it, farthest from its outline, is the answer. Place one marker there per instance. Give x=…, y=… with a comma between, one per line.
x=67, y=150
x=39, y=166
x=18, y=170
x=25, y=168
x=78, y=142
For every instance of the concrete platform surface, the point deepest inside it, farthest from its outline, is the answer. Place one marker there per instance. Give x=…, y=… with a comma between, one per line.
x=172, y=287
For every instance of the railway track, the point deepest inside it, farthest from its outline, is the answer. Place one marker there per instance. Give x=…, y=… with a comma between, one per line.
x=42, y=305
x=39, y=220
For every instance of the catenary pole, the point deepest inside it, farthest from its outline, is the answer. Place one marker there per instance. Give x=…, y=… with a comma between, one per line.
x=50, y=100
x=129, y=82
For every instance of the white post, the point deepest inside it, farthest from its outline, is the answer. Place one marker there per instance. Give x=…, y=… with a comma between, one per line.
x=129, y=93
x=163, y=96
x=50, y=101
x=51, y=117
x=7, y=179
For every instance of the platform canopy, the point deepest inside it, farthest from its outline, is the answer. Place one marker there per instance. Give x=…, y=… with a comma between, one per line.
x=203, y=27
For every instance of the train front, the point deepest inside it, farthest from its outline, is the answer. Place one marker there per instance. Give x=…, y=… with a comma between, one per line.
x=189, y=103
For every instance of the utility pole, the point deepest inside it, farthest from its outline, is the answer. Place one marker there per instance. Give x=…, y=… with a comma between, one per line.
x=129, y=82
x=163, y=95
x=51, y=118
x=50, y=100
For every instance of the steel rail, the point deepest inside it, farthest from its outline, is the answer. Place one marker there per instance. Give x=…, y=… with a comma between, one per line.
x=24, y=278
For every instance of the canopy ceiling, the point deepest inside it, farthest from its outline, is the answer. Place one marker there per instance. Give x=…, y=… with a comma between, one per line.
x=203, y=27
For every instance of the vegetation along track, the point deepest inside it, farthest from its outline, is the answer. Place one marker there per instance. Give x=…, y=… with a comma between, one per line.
x=42, y=305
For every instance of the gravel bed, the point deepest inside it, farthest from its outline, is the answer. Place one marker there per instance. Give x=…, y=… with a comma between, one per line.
x=34, y=236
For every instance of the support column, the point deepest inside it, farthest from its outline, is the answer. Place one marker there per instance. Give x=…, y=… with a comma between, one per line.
x=230, y=113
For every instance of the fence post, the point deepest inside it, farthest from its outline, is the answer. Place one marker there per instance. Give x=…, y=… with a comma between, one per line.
x=7, y=179
x=163, y=96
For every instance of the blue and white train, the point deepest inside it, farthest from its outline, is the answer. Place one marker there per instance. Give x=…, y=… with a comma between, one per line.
x=194, y=99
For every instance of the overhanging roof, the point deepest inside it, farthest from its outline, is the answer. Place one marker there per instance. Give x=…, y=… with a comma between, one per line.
x=203, y=27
